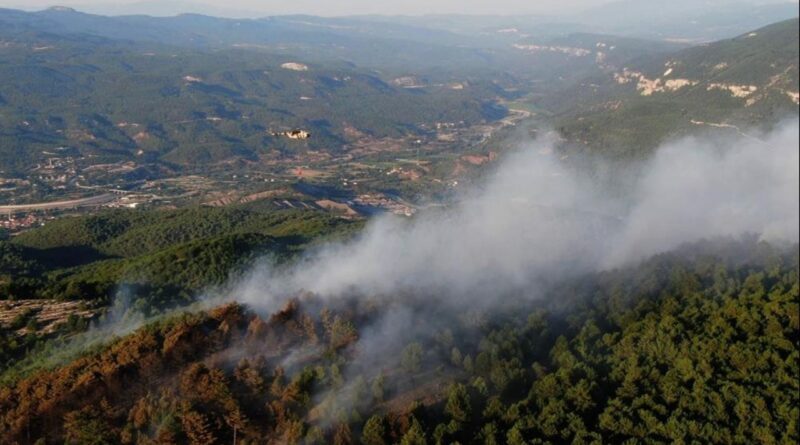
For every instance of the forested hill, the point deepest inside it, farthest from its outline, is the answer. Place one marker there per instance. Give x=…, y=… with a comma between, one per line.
x=747, y=82
x=699, y=345
x=160, y=257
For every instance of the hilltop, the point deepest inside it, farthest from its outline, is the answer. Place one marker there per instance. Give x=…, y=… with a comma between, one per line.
x=750, y=81
x=687, y=20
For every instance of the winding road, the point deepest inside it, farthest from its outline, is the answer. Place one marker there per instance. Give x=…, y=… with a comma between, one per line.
x=91, y=201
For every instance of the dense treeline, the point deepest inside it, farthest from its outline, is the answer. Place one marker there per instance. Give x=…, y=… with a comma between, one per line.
x=699, y=345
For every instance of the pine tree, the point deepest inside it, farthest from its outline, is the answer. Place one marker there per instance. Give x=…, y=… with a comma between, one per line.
x=197, y=428
x=377, y=388
x=412, y=358
x=415, y=435
x=458, y=404
x=455, y=357
x=343, y=435
x=374, y=431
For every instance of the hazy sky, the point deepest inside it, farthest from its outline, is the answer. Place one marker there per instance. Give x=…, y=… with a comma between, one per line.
x=260, y=8
x=325, y=7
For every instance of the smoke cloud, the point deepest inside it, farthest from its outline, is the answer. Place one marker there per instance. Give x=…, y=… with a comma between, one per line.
x=537, y=219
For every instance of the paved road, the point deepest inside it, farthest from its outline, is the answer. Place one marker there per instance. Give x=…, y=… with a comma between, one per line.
x=61, y=205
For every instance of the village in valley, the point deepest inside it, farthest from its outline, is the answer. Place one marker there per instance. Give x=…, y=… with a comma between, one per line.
x=371, y=176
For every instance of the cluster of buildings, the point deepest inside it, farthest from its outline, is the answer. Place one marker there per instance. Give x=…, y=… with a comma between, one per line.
x=15, y=223
x=293, y=134
x=386, y=204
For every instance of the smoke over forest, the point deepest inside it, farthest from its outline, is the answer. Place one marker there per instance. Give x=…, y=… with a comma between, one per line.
x=536, y=219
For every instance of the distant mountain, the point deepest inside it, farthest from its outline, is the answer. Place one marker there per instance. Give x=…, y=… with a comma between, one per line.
x=747, y=81
x=112, y=101
x=166, y=8
x=194, y=90
x=202, y=30
x=376, y=43
x=687, y=20
x=204, y=90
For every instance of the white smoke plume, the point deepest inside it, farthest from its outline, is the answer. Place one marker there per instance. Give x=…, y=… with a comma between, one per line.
x=537, y=219
x=694, y=189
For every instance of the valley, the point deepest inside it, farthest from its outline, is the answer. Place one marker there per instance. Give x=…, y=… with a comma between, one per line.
x=372, y=175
